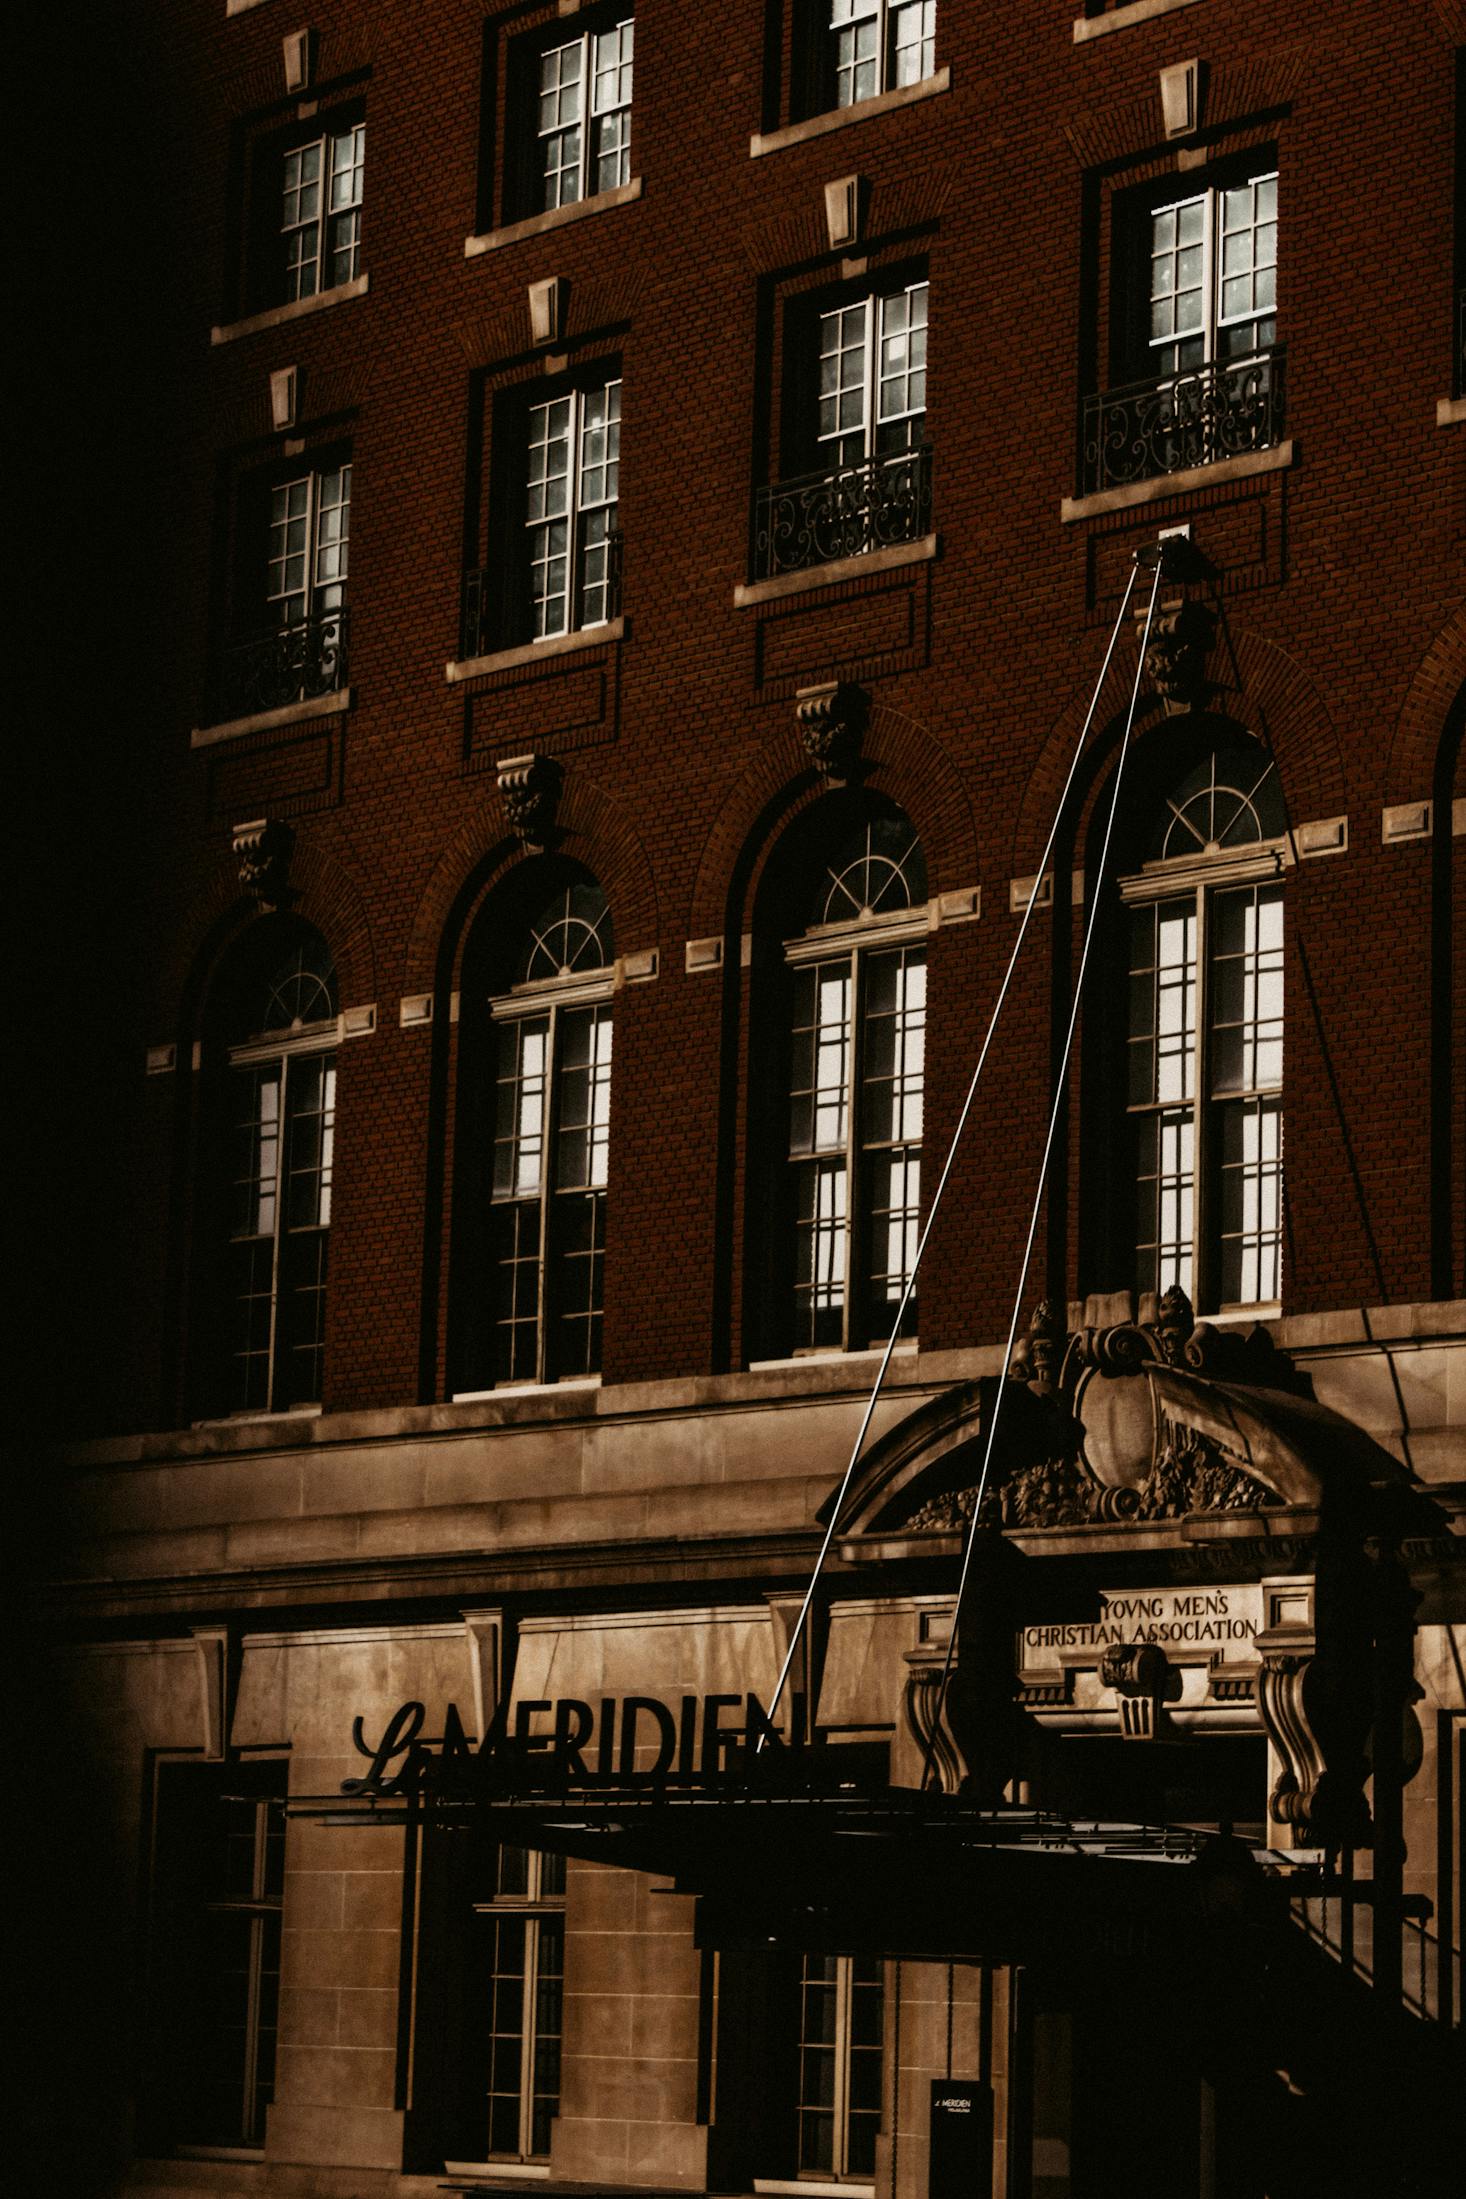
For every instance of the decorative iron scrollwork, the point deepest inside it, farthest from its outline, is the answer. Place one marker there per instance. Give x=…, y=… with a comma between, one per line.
x=293, y=664
x=842, y=513
x=1219, y=410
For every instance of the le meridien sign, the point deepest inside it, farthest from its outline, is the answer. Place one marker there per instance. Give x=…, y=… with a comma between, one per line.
x=626, y=1740
x=1206, y=1619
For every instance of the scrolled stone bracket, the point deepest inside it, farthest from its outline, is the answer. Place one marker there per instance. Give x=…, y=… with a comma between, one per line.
x=529, y=789
x=1140, y=1675
x=1181, y=636
x=263, y=849
x=1281, y=1700
x=927, y=1713
x=831, y=720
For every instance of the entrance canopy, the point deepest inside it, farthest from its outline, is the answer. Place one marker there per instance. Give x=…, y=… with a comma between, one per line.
x=890, y=1872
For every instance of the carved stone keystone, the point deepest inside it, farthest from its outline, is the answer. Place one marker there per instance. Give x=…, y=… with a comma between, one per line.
x=263, y=849
x=529, y=788
x=1175, y=657
x=831, y=721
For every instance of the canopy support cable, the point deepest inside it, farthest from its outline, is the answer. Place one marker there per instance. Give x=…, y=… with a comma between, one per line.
x=1061, y=1083
x=1035, y=889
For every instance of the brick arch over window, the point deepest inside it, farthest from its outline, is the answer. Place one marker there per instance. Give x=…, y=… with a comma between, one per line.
x=590, y=826
x=323, y=891
x=1434, y=692
x=1256, y=684
x=899, y=759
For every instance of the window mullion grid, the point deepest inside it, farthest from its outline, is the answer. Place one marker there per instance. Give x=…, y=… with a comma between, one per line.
x=312, y=522
x=255, y=1980
x=587, y=102
x=527, y=2033
x=871, y=381
x=572, y=512
x=283, y=1143
x=549, y=1134
x=1201, y=1124
x=856, y=1191
x=844, y=1970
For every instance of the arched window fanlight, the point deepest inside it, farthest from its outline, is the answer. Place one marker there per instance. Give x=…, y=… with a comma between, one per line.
x=1226, y=801
x=1204, y=1050
x=857, y=979
x=878, y=871
x=299, y=989
x=277, y=1168
x=532, y=1223
x=571, y=933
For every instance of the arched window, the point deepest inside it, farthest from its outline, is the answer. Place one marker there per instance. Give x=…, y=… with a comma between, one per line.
x=857, y=1028
x=277, y=1015
x=537, y=1065
x=1204, y=1037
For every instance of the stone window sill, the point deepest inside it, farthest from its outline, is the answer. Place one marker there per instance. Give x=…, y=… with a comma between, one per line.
x=1162, y=486
x=531, y=652
x=840, y=568
x=1120, y=19
x=252, y=1420
x=1450, y=411
x=839, y=118
x=535, y=225
x=265, y=721
x=279, y=316
x=242, y=7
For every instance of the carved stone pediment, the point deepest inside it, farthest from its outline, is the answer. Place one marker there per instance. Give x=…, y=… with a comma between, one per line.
x=1096, y=1441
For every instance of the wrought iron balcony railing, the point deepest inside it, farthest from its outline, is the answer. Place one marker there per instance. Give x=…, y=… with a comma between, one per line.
x=842, y=513
x=289, y=665
x=1193, y=418
x=490, y=620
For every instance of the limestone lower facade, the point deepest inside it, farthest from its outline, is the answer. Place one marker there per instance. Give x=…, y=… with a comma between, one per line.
x=1213, y=1637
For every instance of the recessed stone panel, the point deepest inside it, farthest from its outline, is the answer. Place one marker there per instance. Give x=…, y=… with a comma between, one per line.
x=855, y=631
x=281, y=778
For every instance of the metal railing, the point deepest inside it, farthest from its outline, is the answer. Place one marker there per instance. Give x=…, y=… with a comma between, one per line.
x=491, y=617
x=842, y=513
x=1430, y=1973
x=1207, y=413
x=291, y=664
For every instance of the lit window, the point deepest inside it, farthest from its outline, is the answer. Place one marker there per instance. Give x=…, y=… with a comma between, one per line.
x=858, y=979
x=289, y=611
x=320, y=214
x=218, y=1879
x=1195, y=360
x=1205, y=1040
x=860, y=430
x=309, y=545
x=872, y=379
x=877, y=45
x=583, y=115
x=841, y=2038
x=282, y=1114
x=1213, y=274
x=534, y=1278
x=572, y=477
x=521, y=1938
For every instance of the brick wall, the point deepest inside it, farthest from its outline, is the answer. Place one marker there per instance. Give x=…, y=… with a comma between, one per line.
x=1336, y=576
